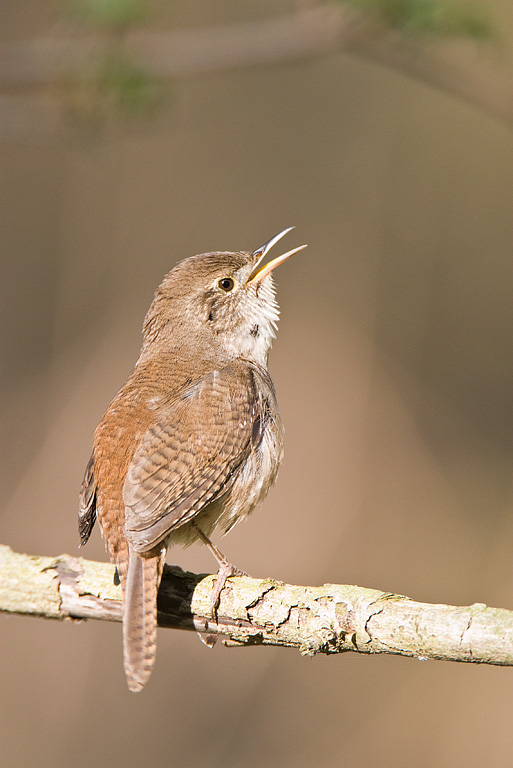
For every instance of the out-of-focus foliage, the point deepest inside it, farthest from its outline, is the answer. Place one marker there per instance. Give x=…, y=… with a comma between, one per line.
x=113, y=82
x=114, y=85
x=109, y=14
x=433, y=17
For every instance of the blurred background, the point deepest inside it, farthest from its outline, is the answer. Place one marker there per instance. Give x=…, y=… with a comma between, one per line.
x=132, y=140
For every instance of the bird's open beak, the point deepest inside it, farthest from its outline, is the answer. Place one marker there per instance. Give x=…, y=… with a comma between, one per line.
x=258, y=272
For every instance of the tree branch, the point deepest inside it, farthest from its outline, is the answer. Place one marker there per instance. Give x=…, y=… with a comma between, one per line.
x=328, y=619
x=302, y=35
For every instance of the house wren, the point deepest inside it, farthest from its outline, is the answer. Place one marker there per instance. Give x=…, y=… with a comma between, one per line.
x=194, y=438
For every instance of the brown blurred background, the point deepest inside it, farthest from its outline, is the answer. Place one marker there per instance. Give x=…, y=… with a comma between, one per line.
x=393, y=367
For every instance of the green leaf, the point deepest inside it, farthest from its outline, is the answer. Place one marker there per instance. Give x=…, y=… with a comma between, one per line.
x=431, y=17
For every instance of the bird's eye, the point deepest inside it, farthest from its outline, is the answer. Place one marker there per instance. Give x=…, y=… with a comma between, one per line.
x=226, y=284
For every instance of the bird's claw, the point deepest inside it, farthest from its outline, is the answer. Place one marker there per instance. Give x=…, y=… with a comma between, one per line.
x=226, y=571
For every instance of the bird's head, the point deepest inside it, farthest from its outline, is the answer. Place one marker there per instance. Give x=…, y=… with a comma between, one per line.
x=224, y=300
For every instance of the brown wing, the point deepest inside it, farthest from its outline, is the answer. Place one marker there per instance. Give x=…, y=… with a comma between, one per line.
x=87, y=504
x=186, y=459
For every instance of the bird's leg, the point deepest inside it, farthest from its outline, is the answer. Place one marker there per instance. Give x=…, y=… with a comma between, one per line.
x=226, y=569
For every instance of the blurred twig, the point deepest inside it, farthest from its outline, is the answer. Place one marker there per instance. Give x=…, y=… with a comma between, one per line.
x=328, y=619
x=302, y=35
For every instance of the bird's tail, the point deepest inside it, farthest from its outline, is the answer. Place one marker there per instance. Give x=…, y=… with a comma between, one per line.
x=140, y=616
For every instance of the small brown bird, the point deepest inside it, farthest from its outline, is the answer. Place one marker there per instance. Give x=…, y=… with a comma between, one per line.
x=194, y=439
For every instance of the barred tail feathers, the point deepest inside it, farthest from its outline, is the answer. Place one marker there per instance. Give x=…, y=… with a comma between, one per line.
x=140, y=616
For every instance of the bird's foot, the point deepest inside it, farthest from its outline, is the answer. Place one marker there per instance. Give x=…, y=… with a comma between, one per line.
x=226, y=570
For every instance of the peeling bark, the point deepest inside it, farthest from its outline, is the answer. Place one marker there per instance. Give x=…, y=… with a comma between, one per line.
x=330, y=619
